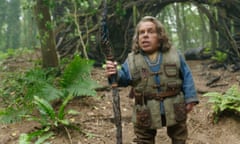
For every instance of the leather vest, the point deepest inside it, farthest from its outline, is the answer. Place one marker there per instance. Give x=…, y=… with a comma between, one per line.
x=144, y=85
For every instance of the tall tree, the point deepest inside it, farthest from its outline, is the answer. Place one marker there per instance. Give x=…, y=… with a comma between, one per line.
x=47, y=38
x=13, y=24
x=29, y=28
x=3, y=7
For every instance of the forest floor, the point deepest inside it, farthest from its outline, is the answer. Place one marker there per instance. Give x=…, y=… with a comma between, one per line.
x=95, y=118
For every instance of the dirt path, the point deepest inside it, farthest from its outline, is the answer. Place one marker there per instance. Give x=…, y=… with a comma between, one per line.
x=95, y=117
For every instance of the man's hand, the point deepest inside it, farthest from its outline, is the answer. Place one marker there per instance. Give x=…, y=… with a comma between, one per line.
x=111, y=68
x=189, y=107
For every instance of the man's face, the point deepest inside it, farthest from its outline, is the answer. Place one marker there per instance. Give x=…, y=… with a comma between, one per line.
x=148, y=37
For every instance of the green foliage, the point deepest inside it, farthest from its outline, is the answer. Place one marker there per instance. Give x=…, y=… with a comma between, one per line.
x=3, y=55
x=229, y=101
x=18, y=91
x=76, y=77
x=12, y=20
x=84, y=6
x=214, y=1
x=28, y=4
x=119, y=9
x=49, y=117
x=186, y=25
x=219, y=56
x=11, y=115
x=40, y=135
x=39, y=82
x=49, y=120
x=37, y=88
x=12, y=53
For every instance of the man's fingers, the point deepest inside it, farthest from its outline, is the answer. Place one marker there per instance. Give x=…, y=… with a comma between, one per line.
x=189, y=107
x=111, y=68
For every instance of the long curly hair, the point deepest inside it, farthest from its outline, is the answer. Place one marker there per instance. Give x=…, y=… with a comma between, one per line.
x=165, y=44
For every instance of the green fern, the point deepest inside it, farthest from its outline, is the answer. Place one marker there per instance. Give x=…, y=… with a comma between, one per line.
x=76, y=77
x=75, y=81
x=49, y=120
x=49, y=93
x=41, y=137
x=45, y=109
x=39, y=87
x=24, y=139
x=229, y=101
x=61, y=113
x=38, y=82
x=11, y=115
x=19, y=91
x=48, y=115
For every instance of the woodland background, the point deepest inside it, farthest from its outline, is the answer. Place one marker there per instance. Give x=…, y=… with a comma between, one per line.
x=51, y=54
x=74, y=26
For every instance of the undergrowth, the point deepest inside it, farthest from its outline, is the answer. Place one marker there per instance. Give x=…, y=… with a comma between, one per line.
x=228, y=101
x=35, y=89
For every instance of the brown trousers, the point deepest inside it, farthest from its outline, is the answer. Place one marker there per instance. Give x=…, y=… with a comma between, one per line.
x=178, y=134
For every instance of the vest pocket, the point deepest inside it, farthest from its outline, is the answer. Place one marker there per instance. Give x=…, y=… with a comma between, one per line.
x=180, y=112
x=170, y=70
x=143, y=117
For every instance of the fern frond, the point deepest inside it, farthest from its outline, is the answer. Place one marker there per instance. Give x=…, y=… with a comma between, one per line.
x=75, y=69
x=83, y=88
x=212, y=94
x=229, y=101
x=44, y=137
x=233, y=91
x=61, y=112
x=10, y=115
x=40, y=84
x=36, y=75
x=76, y=78
x=41, y=135
x=45, y=108
x=49, y=93
x=24, y=139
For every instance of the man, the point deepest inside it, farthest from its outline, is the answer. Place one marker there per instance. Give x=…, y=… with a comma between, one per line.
x=161, y=81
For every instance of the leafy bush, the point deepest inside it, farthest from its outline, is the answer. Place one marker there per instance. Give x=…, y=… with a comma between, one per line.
x=229, y=101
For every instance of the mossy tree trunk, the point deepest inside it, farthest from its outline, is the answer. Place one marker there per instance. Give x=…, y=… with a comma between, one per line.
x=47, y=37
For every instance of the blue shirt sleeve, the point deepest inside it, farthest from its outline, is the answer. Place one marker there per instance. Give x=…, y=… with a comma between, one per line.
x=124, y=76
x=188, y=86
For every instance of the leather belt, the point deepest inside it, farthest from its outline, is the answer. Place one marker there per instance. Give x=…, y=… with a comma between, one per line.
x=161, y=95
x=157, y=96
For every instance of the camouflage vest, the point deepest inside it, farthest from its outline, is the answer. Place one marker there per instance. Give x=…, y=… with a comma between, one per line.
x=143, y=82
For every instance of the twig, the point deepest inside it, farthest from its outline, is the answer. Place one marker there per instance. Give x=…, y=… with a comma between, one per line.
x=79, y=31
x=220, y=84
x=213, y=80
x=68, y=134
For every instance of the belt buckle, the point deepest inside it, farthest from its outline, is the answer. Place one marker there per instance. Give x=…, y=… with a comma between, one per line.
x=159, y=97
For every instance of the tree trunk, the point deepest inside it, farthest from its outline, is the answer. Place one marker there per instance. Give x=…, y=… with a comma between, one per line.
x=213, y=33
x=47, y=38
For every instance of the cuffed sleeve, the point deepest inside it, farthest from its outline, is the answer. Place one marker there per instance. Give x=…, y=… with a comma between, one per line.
x=124, y=77
x=188, y=86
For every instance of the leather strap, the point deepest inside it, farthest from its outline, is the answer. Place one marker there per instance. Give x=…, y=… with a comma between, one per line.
x=157, y=96
x=161, y=95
